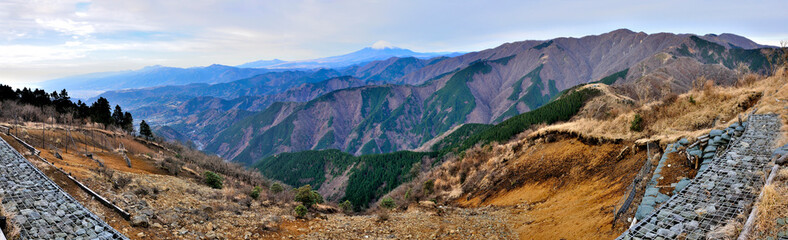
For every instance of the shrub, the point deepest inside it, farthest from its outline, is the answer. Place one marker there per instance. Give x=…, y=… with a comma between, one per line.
x=691, y=99
x=300, y=211
x=212, y=179
x=245, y=202
x=307, y=196
x=120, y=182
x=142, y=191
x=346, y=206
x=388, y=203
x=428, y=186
x=318, y=198
x=172, y=166
x=636, y=124
x=276, y=188
x=383, y=216
x=256, y=192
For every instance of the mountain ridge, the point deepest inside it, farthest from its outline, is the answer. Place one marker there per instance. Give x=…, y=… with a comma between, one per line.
x=367, y=54
x=494, y=84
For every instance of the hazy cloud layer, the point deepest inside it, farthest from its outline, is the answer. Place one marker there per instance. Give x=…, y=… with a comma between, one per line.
x=42, y=39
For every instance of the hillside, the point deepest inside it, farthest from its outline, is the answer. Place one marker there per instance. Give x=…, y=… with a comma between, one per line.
x=495, y=85
x=567, y=180
x=360, y=180
x=199, y=119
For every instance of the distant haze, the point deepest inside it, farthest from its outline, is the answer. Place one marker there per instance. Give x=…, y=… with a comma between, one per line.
x=49, y=39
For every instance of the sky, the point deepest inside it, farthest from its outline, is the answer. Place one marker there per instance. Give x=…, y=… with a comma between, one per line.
x=46, y=39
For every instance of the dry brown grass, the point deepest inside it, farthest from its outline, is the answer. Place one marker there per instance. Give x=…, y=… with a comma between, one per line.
x=775, y=99
x=729, y=231
x=12, y=231
x=773, y=205
x=675, y=117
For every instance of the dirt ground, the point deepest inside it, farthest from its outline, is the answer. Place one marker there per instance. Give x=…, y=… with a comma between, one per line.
x=676, y=168
x=577, y=204
x=180, y=203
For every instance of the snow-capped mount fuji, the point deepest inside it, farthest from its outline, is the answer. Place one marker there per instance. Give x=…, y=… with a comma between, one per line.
x=381, y=50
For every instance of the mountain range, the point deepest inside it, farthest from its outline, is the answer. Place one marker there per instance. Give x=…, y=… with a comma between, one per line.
x=364, y=55
x=480, y=87
x=91, y=85
x=400, y=103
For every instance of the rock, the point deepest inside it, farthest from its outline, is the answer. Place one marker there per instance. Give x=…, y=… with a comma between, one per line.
x=140, y=220
x=715, y=132
x=725, y=137
x=692, y=225
x=141, y=235
x=710, y=149
x=783, y=160
x=662, y=198
x=643, y=211
x=707, y=185
x=156, y=225
x=665, y=232
x=682, y=184
x=678, y=228
x=711, y=209
x=652, y=192
x=696, y=152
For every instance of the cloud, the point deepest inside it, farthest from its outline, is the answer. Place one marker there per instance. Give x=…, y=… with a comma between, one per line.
x=67, y=26
x=102, y=35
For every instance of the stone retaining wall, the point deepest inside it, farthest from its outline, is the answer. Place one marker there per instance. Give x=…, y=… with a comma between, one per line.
x=721, y=191
x=41, y=209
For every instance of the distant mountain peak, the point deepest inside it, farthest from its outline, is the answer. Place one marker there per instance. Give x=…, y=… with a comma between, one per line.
x=152, y=67
x=381, y=44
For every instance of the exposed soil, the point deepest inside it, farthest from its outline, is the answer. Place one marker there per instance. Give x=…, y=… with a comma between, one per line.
x=676, y=168
x=418, y=223
x=569, y=190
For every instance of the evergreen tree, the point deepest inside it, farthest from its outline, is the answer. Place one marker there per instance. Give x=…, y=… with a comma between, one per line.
x=63, y=102
x=83, y=111
x=117, y=116
x=100, y=112
x=128, y=122
x=145, y=130
x=7, y=93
